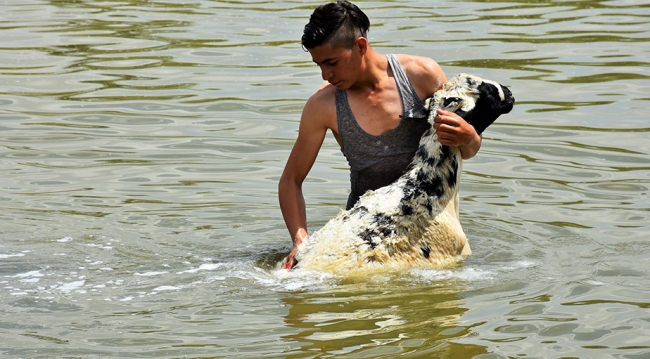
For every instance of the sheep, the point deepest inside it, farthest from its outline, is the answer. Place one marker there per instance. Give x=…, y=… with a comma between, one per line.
x=413, y=222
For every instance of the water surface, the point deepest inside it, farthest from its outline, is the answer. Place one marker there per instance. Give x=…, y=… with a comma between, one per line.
x=142, y=141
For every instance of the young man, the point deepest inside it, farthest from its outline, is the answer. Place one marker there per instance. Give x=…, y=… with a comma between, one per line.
x=365, y=103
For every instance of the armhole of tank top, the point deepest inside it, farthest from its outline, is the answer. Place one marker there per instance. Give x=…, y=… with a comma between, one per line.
x=337, y=98
x=414, y=93
x=392, y=61
x=408, y=85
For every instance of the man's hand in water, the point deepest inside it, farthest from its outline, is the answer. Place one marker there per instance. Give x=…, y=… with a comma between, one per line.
x=290, y=261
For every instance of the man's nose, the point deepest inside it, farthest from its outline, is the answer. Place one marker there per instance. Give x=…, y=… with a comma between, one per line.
x=326, y=73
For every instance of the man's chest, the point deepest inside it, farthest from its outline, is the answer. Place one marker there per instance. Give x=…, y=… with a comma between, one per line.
x=377, y=112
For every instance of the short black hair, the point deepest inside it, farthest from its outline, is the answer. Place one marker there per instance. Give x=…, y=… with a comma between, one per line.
x=338, y=23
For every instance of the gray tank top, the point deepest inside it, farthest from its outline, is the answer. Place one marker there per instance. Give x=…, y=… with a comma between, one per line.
x=377, y=161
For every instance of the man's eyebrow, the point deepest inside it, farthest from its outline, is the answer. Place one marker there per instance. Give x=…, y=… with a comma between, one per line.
x=324, y=61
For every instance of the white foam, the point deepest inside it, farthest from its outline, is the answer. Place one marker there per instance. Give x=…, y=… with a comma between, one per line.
x=297, y=279
x=165, y=288
x=68, y=287
x=211, y=266
x=204, y=267
x=524, y=263
x=34, y=273
x=150, y=274
x=65, y=239
x=466, y=274
x=4, y=256
x=30, y=280
x=107, y=247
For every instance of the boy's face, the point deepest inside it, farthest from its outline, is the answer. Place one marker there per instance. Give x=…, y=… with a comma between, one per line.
x=339, y=66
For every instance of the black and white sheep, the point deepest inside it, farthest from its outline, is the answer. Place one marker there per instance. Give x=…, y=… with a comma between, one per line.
x=414, y=221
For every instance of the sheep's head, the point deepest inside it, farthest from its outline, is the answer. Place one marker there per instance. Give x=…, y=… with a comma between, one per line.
x=480, y=102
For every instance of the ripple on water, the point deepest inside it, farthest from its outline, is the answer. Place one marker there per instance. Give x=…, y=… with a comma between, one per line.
x=143, y=141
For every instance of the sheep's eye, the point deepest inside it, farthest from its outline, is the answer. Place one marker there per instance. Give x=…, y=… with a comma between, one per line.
x=449, y=100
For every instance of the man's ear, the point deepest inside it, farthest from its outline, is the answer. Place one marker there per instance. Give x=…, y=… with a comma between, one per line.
x=361, y=44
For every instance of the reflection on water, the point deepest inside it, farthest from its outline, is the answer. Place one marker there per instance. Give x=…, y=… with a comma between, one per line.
x=141, y=144
x=373, y=322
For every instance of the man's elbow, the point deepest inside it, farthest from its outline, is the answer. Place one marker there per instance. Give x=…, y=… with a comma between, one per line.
x=288, y=183
x=282, y=184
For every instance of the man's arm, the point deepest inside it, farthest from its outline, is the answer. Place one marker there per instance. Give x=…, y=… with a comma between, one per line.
x=454, y=131
x=428, y=77
x=311, y=133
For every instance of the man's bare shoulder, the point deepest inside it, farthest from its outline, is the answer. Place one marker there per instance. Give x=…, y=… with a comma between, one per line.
x=419, y=65
x=424, y=73
x=324, y=96
x=321, y=107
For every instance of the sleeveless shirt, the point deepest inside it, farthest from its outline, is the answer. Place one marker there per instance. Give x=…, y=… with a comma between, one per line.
x=377, y=161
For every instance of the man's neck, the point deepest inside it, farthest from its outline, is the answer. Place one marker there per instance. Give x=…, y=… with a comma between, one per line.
x=375, y=70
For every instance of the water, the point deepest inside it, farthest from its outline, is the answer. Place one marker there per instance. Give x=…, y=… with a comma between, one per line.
x=142, y=141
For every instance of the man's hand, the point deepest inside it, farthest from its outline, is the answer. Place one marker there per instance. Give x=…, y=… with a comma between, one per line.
x=454, y=131
x=290, y=261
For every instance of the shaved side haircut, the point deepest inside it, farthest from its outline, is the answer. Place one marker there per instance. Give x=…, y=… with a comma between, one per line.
x=337, y=23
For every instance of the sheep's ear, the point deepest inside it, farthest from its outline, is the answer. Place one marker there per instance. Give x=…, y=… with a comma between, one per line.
x=507, y=104
x=472, y=81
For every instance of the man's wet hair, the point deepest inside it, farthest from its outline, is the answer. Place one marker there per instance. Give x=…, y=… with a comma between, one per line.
x=338, y=23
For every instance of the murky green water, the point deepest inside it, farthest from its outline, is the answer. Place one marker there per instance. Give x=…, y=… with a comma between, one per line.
x=141, y=143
